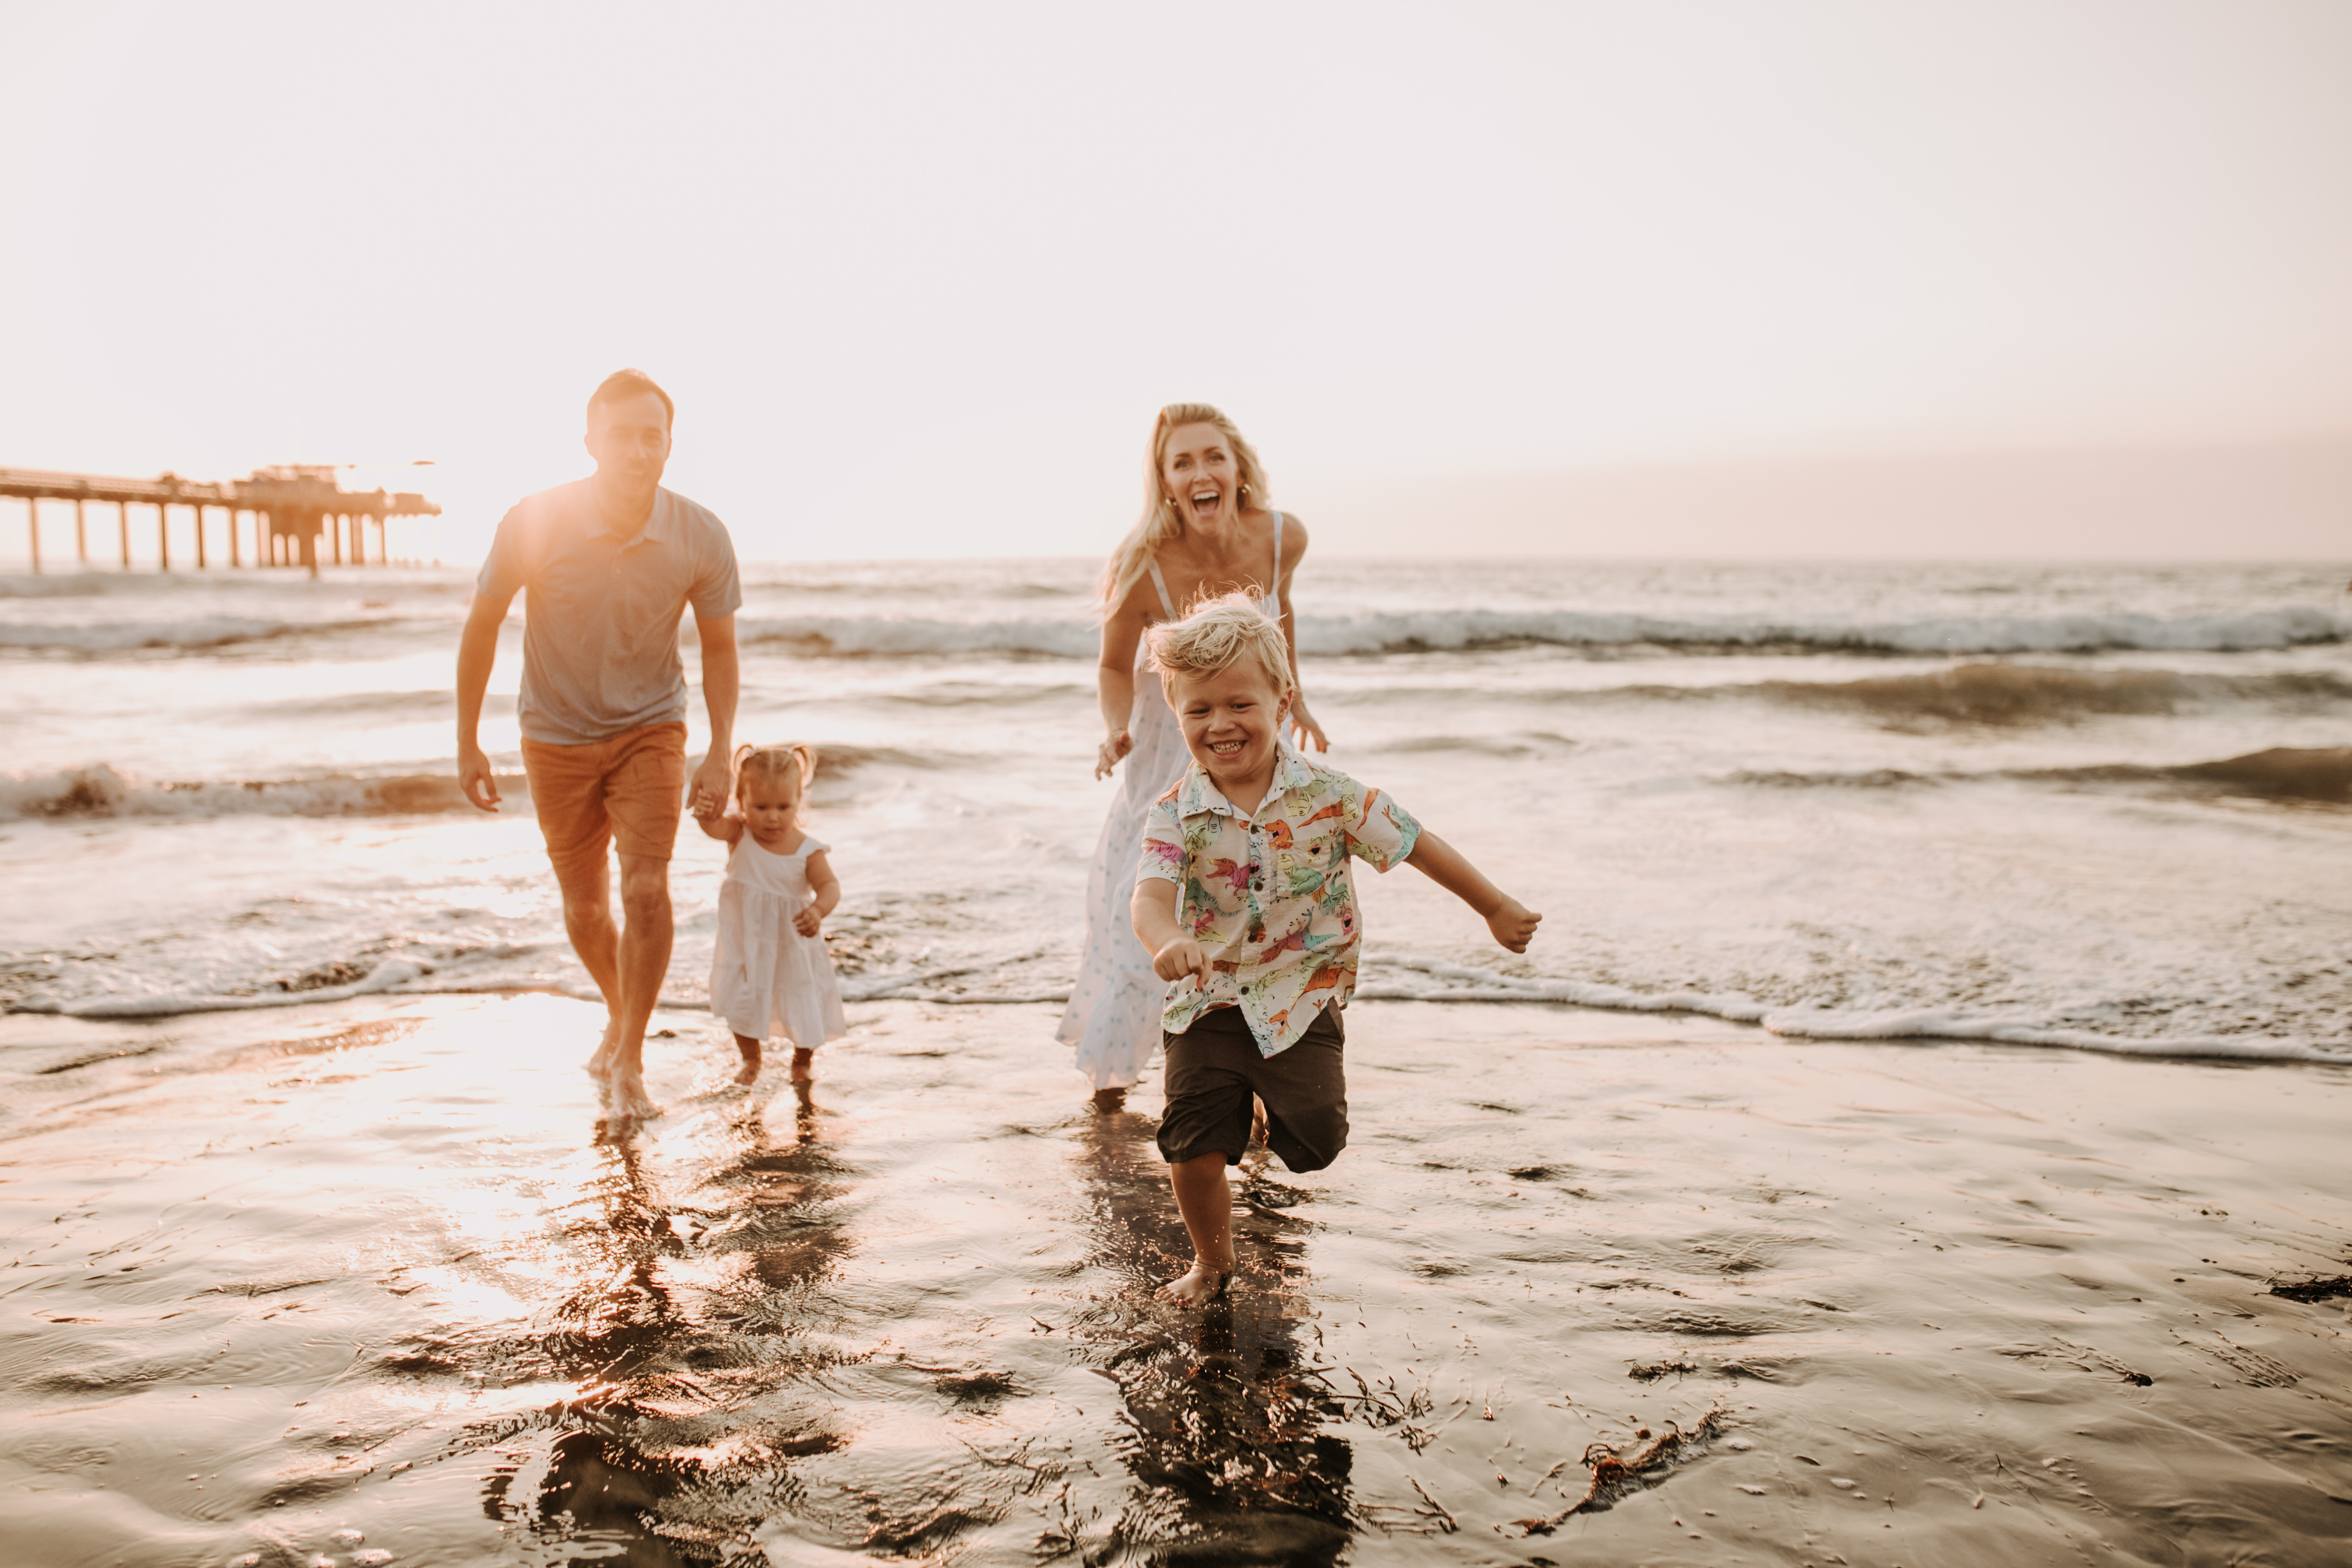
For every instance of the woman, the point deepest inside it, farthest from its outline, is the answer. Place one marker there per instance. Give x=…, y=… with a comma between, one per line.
x=1206, y=529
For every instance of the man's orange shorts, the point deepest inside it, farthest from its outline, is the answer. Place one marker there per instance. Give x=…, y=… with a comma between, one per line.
x=626, y=791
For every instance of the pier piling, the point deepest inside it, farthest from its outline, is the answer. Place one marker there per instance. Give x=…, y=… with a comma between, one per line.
x=300, y=514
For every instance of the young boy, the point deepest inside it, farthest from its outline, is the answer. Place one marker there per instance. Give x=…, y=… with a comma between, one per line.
x=1243, y=889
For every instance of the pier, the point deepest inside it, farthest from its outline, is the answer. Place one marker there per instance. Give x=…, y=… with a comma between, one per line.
x=300, y=515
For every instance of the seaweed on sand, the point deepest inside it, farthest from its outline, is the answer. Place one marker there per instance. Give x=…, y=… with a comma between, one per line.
x=1614, y=1477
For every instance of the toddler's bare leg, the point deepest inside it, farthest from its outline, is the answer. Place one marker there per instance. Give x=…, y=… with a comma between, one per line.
x=803, y=1056
x=1207, y=1205
x=749, y=1050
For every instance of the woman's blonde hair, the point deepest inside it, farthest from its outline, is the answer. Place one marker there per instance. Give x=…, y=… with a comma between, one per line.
x=1162, y=519
x=1216, y=634
x=793, y=761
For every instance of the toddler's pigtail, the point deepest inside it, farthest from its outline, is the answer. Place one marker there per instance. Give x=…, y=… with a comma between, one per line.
x=735, y=775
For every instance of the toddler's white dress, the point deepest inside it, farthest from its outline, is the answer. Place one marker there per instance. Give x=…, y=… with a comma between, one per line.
x=766, y=980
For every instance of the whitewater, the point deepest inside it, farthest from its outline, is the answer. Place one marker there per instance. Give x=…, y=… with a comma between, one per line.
x=2087, y=807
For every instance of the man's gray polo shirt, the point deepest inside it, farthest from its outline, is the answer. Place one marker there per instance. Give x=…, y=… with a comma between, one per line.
x=600, y=616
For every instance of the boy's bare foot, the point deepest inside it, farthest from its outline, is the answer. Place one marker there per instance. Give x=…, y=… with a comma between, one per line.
x=749, y=1049
x=1200, y=1286
x=1108, y=1100
x=803, y=1056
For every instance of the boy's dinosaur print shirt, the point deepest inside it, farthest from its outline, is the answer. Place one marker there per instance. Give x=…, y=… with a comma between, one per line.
x=1268, y=895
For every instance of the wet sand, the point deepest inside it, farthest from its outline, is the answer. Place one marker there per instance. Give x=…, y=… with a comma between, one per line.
x=359, y=1282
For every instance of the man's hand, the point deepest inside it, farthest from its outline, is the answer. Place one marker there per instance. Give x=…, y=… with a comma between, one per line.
x=475, y=780
x=1111, y=752
x=707, y=795
x=1182, y=957
x=1514, y=924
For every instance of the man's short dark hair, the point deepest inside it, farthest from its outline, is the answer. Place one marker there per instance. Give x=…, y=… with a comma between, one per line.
x=628, y=384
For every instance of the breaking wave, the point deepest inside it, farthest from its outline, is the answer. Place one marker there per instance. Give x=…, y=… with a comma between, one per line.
x=199, y=634
x=2015, y=694
x=1388, y=977
x=1412, y=978
x=102, y=791
x=2285, y=626
x=2322, y=774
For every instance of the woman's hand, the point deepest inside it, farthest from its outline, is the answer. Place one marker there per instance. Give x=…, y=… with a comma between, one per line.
x=1304, y=728
x=808, y=920
x=1111, y=752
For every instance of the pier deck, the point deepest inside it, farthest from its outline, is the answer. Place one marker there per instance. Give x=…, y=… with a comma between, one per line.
x=299, y=512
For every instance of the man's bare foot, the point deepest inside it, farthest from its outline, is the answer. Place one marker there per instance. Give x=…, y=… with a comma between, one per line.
x=1108, y=1100
x=601, y=1064
x=803, y=1056
x=749, y=1049
x=1200, y=1286
x=625, y=1098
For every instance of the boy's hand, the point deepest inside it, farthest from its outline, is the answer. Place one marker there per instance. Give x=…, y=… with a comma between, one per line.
x=807, y=921
x=1182, y=957
x=1514, y=924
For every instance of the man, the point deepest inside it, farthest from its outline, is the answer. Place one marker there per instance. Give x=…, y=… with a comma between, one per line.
x=608, y=564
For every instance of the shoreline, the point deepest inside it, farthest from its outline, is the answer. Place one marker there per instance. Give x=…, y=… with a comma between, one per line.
x=913, y=1316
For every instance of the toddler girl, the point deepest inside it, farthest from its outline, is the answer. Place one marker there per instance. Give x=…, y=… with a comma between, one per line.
x=770, y=974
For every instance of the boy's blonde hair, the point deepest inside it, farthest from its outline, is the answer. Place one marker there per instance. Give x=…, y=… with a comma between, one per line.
x=1163, y=518
x=1214, y=634
x=768, y=764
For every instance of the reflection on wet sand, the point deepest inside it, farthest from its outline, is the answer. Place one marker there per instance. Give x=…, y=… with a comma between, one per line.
x=1225, y=1407
x=669, y=1330
x=366, y=1289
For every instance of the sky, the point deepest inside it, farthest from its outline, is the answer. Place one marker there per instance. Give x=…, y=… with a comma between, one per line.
x=1476, y=276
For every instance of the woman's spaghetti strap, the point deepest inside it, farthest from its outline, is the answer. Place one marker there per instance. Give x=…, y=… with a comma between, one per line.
x=1275, y=588
x=1160, y=582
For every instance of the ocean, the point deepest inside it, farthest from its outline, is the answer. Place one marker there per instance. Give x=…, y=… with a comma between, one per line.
x=2100, y=806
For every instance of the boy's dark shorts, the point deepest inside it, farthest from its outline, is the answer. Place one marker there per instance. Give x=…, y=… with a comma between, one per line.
x=1215, y=1065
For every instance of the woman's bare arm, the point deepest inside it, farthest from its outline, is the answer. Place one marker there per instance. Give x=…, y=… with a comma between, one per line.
x=1294, y=549
x=1114, y=679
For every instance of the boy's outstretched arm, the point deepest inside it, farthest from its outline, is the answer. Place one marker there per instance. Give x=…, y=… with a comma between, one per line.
x=1152, y=909
x=1513, y=923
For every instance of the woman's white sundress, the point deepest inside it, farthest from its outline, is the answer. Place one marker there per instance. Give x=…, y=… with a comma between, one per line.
x=766, y=980
x=1113, y=1018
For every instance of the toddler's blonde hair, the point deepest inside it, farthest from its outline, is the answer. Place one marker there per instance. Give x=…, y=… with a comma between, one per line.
x=794, y=760
x=1216, y=634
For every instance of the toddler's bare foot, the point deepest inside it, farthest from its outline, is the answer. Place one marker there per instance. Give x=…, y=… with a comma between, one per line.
x=749, y=1049
x=803, y=1056
x=1200, y=1286
x=625, y=1098
x=1107, y=1100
